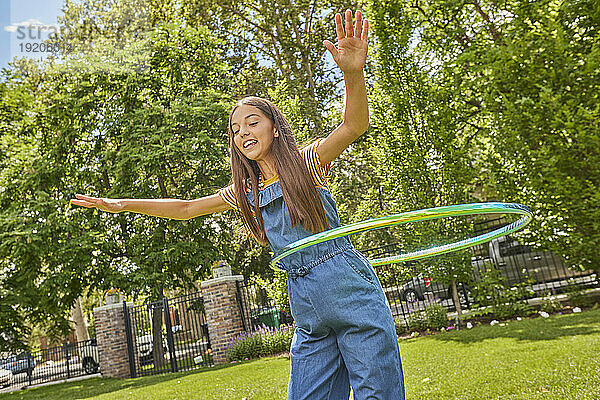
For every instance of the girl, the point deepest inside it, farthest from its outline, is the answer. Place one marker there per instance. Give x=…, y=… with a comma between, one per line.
x=345, y=333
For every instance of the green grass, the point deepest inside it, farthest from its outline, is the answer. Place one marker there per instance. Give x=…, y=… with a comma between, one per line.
x=521, y=360
x=554, y=358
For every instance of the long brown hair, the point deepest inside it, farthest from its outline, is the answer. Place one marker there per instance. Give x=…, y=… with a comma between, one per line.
x=299, y=193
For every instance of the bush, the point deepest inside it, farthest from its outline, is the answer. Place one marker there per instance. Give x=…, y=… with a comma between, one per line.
x=504, y=302
x=577, y=297
x=417, y=321
x=436, y=317
x=262, y=342
x=400, y=327
x=245, y=345
x=512, y=309
x=277, y=340
x=549, y=304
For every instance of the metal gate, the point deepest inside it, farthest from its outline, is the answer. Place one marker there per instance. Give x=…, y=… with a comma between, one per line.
x=167, y=336
x=257, y=309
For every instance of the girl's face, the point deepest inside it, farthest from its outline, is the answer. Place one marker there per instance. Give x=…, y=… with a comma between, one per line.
x=253, y=132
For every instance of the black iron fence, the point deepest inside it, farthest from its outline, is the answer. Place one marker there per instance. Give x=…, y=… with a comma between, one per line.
x=518, y=262
x=257, y=308
x=507, y=258
x=167, y=336
x=66, y=361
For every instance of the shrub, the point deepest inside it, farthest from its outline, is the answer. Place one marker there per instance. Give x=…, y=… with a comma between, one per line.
x=577, y=297
x=261, y=342
x=245, y=345
x=549, y=304
x=277, y=340
x=512, y=309
x=505, y=302
x=417, y=321
x=436, y=317
x=480, y=313
x=400, y=327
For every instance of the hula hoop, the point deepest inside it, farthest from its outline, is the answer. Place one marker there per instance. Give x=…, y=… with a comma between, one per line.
x=414, y=216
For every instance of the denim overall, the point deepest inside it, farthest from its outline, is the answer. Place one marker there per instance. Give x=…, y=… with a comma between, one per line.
x=345, y=333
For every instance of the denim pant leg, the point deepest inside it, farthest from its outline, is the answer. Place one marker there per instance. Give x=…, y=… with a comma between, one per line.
x=373, y=359
x=366, y=333
x=318, y=371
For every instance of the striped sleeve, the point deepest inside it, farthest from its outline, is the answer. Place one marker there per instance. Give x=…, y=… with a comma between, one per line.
x=229, y=197
x=320, y=173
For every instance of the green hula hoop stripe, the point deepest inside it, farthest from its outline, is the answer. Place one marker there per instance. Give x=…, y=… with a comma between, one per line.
x=414, y=216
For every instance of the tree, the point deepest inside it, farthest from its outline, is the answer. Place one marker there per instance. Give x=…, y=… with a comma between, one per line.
x=284, y=37
x=80, y=325
x=19, y=301
x=415, y=153
x=112, y=133
x=524, y=76
x=272, y=50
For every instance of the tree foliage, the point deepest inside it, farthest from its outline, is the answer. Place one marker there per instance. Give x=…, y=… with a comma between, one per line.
x=525, y=75
x=414, y=154
x=284, y=37
x=149, y=134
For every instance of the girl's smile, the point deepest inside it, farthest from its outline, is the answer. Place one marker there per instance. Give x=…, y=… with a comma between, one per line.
x=248, y=144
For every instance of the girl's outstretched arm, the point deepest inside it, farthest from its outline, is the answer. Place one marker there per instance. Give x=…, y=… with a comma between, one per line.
x=350, y=56
x=165, y=208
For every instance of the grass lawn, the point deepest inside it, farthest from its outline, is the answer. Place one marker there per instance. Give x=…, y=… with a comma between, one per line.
x=553, y=358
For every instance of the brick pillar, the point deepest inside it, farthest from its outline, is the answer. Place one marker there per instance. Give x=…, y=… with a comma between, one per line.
x=111, y=337
x=222, y=313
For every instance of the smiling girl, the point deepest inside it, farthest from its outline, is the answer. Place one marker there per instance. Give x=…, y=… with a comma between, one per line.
x=345, y=335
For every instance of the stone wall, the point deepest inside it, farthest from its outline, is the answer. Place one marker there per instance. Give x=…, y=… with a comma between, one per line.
x=112, y=341
x=222, y=313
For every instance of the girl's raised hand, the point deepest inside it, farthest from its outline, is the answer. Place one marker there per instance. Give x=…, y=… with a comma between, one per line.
x=102, y=204
x=351, y=53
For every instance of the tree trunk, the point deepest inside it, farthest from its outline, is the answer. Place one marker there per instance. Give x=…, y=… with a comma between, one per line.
x=81, y=330
x=455, y=299
x=157, y=338
x=158, y=293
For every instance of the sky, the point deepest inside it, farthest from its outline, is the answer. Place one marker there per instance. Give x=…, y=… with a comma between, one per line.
x=25, y=24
